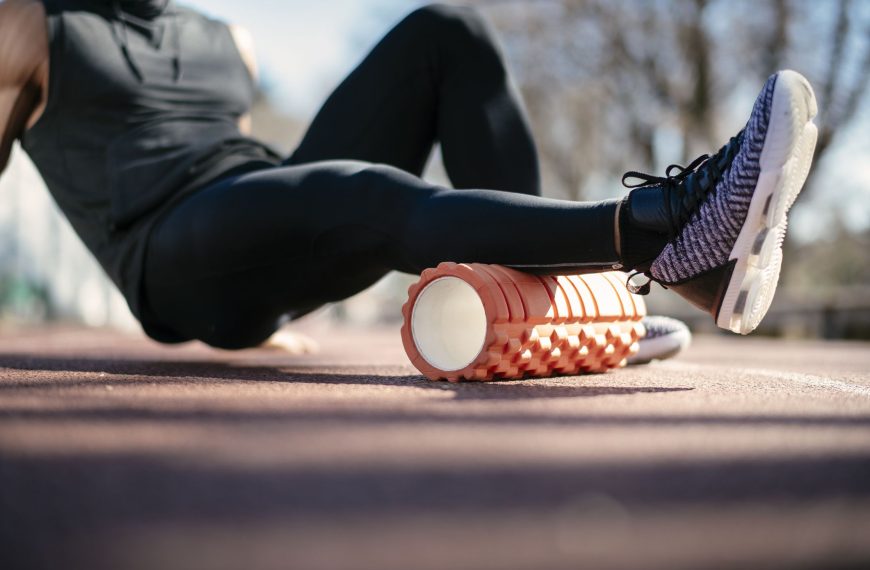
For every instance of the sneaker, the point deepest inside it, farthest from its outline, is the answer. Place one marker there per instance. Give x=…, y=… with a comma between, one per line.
x=665, y=338
x=725, y=214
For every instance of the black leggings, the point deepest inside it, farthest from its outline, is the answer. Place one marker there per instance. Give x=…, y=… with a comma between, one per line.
x=229, y=264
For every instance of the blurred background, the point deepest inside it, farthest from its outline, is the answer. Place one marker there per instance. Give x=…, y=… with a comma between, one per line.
x=609, y=86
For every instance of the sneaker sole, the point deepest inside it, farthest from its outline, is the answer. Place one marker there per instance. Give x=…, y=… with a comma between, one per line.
x=785, y=163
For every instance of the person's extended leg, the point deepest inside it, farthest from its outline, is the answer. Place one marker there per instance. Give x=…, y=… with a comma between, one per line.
x=226, y=264
x=438, y=75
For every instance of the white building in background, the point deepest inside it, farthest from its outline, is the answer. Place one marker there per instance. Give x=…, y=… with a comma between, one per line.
x=41, y=246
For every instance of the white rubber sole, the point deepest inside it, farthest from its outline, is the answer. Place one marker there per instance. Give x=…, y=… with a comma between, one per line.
x=785, y=163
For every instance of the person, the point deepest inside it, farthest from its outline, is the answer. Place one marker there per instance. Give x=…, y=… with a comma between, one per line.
x=135, y=114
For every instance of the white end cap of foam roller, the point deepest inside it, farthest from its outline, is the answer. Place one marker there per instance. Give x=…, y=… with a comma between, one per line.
x=448, y=323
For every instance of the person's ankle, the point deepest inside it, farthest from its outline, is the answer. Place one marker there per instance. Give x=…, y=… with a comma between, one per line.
x=638, y=245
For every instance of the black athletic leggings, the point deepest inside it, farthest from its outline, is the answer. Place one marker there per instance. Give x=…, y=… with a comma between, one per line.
x=230, y=263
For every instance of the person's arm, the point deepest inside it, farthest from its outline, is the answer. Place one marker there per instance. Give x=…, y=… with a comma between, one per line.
x=5, y=140
x=23, y=69
x=245, y=44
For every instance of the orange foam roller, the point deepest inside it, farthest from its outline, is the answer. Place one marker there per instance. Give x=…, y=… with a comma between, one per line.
x=471, y=321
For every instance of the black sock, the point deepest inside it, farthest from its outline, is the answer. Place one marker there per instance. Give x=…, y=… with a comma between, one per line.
x=638, y=247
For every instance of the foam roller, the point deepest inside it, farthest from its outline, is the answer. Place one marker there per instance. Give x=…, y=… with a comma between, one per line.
x=471, y=321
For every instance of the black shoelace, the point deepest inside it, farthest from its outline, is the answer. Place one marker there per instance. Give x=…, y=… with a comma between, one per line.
x=684, y=187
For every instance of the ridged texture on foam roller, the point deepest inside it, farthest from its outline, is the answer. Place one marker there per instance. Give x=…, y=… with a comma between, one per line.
x=539, y=325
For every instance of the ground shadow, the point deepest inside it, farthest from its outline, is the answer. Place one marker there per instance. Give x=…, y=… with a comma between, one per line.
x=148, y=372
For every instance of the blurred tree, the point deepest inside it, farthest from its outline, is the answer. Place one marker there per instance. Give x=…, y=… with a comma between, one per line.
x=834, y=264
x=636, y=83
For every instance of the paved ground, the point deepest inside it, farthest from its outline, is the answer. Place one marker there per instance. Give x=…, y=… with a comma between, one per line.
x=117, y=453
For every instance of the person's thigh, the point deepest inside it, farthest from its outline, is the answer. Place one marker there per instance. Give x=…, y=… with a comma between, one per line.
x=227, y=264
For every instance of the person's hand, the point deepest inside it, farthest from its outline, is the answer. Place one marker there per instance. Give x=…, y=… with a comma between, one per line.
x=291, y=342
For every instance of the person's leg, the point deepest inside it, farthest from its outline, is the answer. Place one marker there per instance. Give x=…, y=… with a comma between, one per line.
x=438, y=75
x=229, y=262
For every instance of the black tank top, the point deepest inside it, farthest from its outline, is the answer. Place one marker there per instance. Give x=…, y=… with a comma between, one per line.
x=142, y=110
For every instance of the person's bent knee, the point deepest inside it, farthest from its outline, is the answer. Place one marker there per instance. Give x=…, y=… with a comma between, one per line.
x=459, y=25
x=447, y=14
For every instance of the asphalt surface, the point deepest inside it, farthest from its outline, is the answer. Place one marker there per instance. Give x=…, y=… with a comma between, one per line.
x=118, y=453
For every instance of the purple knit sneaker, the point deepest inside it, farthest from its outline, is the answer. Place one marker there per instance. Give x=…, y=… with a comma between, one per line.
x=665, y=338
x=726, y=214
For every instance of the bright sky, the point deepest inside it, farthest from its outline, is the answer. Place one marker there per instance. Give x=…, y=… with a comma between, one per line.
x=304, y=47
